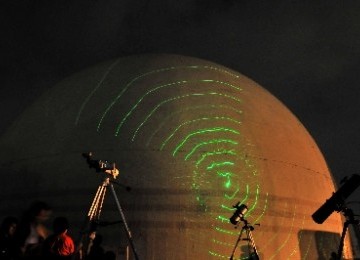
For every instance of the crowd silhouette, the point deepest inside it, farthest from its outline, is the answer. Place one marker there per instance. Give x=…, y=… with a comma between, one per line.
x=28, y=238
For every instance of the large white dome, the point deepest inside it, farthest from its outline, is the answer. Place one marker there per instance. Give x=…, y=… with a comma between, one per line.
x=191, y=138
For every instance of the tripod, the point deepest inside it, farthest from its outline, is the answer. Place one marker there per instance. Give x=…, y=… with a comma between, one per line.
x=93, y=215
x=253, y=254
x=350, y=219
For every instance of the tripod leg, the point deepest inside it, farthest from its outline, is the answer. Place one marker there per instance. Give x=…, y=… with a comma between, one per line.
x=236, y=244
x=254, y=254
x=339, y=254
x=96, y=205
x=128, y=233
x=93, y=214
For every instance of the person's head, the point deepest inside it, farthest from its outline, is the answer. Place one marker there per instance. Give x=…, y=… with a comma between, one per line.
x=39, y=211
x=92, y=235
x=8, y=226
x=60, y=225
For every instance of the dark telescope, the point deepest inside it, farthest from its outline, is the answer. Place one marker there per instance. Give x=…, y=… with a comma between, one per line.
x=337, y=200
x=239, y=213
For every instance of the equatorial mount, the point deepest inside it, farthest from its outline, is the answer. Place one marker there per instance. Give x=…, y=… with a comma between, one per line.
x=101, y=165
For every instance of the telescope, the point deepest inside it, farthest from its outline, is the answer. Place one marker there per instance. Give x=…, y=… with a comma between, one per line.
x=239, y=213
x=337, y=200
x=101, y=165
x=93, y=217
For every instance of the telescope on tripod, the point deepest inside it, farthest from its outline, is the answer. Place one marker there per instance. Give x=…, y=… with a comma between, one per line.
x=235, y=219
x=337, y=203
x=93, y=216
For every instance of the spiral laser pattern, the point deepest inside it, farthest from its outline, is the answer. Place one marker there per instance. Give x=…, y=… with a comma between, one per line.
x=194, y=116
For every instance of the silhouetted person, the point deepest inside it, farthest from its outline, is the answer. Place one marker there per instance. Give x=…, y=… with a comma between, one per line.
x=32, y=231
x=96, y=251
x=59, y=245
x=8, y=248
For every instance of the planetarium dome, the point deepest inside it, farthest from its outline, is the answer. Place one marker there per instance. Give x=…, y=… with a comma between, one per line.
x=191, y=139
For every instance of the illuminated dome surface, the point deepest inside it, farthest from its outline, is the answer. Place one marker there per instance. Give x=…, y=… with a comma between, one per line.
x=191, y=138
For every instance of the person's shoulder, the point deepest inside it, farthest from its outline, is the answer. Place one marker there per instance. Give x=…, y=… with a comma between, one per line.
x=68, y=239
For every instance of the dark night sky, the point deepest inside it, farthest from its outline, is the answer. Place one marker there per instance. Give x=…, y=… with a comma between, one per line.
x=306, y=53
